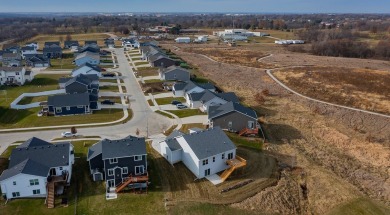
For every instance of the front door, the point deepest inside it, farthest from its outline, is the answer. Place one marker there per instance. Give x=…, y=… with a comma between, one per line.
x=111, y=183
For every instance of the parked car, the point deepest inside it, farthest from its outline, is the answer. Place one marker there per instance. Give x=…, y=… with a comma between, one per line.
x=107, y=102
x=108, y=75
x=175, y=102
x=68, y=134
x=181, y=106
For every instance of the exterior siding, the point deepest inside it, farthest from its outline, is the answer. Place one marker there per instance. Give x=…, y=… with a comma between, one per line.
x=72, y=111
x=97, y=163
x=188, y=157
x=217, y=166
x=214, y=101
x=239, y=121
x=23, y=186
x=124, y=162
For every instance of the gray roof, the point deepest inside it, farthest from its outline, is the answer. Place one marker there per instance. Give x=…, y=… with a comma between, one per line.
x=36, y=157
x=28, y=72
x=83, y=79
x=216, y=111
x=172, y=142
x=27, y=48
x=64, y=80
x=230, y=97
x=94, y=67
x=34, y=142
x=127, y=147
x=209, y=142
x=56, y=43
x=11, y=69
x=52, y=49
x=10, y=55
x=27, y=166
x=174, y=68
x=89, y=54
x=70, y=100
x=90, y=42
x=207, y=95
x=71, y=43
x=90, y=47
x=191, y=85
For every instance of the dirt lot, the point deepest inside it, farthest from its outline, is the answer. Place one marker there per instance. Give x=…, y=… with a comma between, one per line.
x=181, y=187
x=360, y=88
x=345, y=154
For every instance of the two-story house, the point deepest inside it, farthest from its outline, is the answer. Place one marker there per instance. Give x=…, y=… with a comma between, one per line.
x=205, y=152
x=120, y=163
x=38, y=169
x=174, y=73
x=14, y=75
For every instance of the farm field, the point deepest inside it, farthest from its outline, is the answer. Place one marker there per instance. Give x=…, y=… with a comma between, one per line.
x=41, y=39
x=359, y=88
x=330, y=150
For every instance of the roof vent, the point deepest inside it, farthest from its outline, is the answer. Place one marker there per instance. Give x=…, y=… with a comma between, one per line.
x=123, y=140
x=56, y=145
x=63, y=156
x=48, y=146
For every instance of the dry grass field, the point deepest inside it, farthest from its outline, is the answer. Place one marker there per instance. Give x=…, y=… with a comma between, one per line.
x=41, y=39
x=339, y=156
x=360, y=88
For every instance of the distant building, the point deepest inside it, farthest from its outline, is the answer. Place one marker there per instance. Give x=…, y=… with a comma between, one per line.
x=87, y=57
x=183, y=40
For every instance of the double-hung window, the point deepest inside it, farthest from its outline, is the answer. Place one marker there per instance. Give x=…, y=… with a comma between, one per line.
x=113, y=160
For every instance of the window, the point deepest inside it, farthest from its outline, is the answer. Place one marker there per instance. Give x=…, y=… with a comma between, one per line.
x=110, y=172
x=36, y=192
x=205, y=162
x=58, y=110
x=15, y=194
x=61, y=168
x=230, y=156
x=80, y=106
x=206, y=172
x=14, y=183
x=138, y=158
x=213, y=159
x=125, y=170
x=68, y=108
x=139, y=170
x=17, y=73
x=113, y=160
x=223, y=156
x=34, y=182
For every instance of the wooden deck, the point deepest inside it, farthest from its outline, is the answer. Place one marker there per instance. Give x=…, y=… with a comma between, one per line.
x=132, y=179
x=234, y=164
x=51, y=187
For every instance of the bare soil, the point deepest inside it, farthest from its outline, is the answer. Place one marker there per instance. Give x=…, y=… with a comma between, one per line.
x=360, y=88
x=345, y=154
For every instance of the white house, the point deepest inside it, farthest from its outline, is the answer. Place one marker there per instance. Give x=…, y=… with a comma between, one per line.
x=204, y=152
x=206, y=98
x=87, y=69
x=201, y=39
x=87, y=57
x=28, y=50
x=14, y=75
x=38, y=169
x=183, y=40
x=185, y=88
x=35, y=45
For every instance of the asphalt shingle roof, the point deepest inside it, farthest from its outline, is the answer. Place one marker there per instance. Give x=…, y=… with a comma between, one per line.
x=68, y=100
x=209, y=142
x=89, y=54
x=36, y=157
x=216, y=111
x=127, y=147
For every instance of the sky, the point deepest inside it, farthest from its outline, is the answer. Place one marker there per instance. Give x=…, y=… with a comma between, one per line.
x=223, y=6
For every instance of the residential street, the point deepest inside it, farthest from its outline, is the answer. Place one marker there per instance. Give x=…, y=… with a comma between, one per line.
x=148, y=122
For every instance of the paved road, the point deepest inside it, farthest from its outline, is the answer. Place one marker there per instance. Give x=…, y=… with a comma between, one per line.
x=148, y=122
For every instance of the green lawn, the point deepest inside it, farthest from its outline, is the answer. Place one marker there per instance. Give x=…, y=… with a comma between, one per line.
x=165, y=114
x=168, y=100
x=186, y=112
x=29, y=118
x=106, y=61
x=91, y=195
x=64, y=63
x=141, y=63
x=136, y=58
x=28, y=100
x=109, y=89
x=254, y=143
